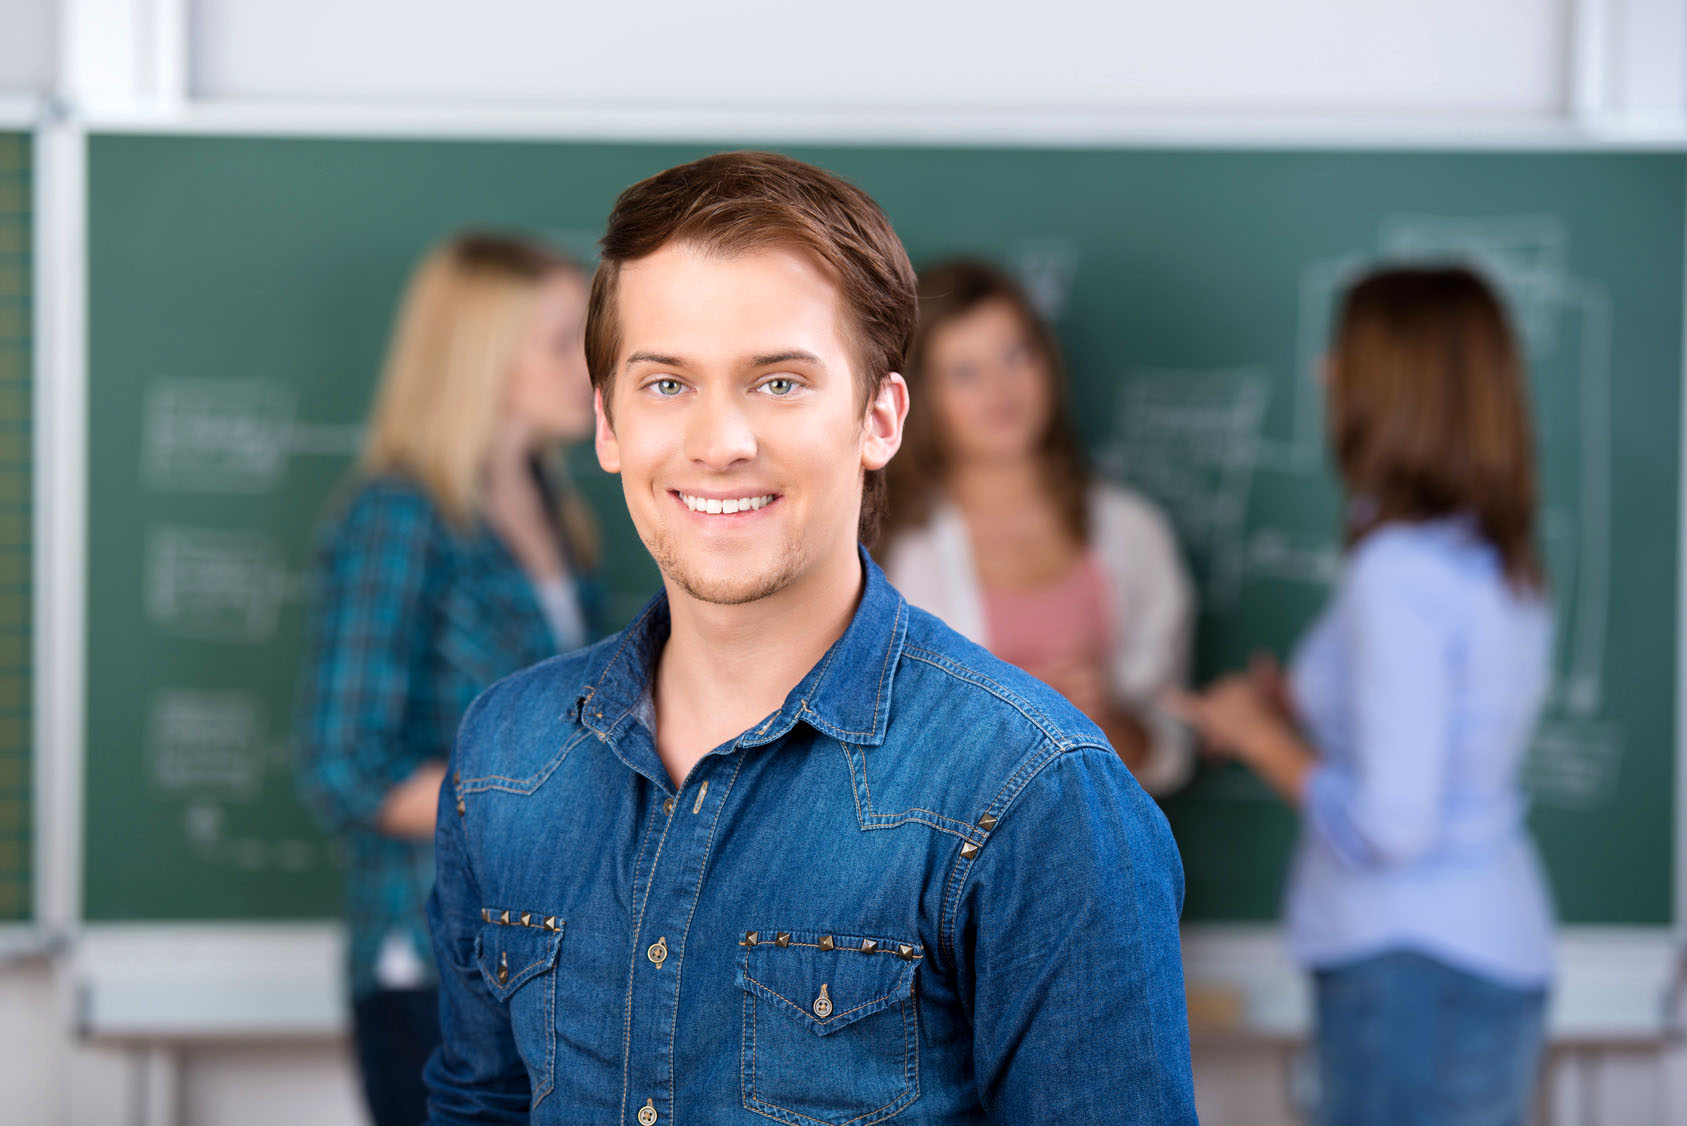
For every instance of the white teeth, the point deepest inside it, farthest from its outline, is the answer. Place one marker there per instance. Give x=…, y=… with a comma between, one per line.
x=728, y=507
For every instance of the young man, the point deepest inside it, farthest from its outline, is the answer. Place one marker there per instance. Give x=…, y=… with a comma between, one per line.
x=786, y=848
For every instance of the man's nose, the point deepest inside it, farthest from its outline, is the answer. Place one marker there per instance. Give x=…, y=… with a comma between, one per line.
x=720, y=433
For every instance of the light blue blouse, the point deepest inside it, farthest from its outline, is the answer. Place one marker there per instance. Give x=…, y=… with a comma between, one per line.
x=1420, y=687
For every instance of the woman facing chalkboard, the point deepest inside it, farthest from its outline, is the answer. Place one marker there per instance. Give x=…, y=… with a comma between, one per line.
x=1416, y=897
x=455, y=559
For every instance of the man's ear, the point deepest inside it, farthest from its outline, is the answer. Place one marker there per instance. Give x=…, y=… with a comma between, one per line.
x=886, y=415
x=608, y=449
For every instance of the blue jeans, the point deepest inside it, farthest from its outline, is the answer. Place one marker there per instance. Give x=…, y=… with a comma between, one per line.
x=396, y=1031
x=1406, y=1040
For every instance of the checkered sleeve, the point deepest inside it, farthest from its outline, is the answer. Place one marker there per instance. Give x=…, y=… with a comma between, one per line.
x=369, y=609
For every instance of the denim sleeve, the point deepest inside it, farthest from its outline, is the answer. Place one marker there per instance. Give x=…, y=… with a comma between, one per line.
x=1067, y=942
x=368, y=607
x=1394, y=625
x=476, y=1074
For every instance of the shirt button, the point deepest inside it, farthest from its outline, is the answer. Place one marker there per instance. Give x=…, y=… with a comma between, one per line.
x=658, y=952
x=668, y=806
x=647, y=1113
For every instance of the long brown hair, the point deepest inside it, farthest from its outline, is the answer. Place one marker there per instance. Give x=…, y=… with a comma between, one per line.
x=949, y=291
x=1429, y=410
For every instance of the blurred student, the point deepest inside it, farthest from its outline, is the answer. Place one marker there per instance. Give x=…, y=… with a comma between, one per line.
x=998, y=528
x=457, y=558
x=1416, y=897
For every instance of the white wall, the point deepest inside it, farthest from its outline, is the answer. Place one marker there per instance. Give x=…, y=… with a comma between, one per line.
x=1609, y=64
x=27, y=45
x=1499, y=57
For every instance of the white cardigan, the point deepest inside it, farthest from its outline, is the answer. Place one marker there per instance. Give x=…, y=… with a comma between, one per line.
x=1152, y=608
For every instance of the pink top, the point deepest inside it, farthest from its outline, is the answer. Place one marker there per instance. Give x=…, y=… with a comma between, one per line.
x=1064, y=622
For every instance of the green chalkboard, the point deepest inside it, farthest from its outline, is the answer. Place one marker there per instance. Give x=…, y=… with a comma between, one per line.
x=241, y=291
x=17, y=314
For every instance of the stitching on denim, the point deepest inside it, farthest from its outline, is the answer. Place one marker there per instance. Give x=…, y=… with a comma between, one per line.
x=632, y=966
x=849, y=764
x=685, y=935
x=974, y=677
x=550, y=1042
x=897, y=820
x=878, y=696
x=526, y=785
x=831, y=1021
x=627, y=636
x=878, y=1114
x=962, y=868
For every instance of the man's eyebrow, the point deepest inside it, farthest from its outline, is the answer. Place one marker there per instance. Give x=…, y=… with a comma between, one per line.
x=654, y=358
x=786, y=357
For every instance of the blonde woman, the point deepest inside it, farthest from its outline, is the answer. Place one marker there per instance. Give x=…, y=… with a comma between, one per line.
x=453, y=561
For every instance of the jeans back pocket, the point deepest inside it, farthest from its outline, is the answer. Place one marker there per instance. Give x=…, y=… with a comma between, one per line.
x=517, y=960
x=831, y=1028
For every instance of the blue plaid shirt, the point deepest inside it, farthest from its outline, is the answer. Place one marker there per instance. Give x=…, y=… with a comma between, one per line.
x=411, y=620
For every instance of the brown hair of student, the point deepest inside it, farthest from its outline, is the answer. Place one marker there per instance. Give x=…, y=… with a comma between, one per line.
x=742, y=202
x=948, y=292
x=1429, y=410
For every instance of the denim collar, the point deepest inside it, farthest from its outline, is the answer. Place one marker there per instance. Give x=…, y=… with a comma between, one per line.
x=845, y=695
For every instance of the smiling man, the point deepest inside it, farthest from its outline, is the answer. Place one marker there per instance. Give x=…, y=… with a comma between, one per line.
x=786, y=848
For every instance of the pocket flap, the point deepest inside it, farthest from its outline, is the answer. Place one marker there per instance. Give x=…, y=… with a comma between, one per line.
x=828, y=981
x=510, y=954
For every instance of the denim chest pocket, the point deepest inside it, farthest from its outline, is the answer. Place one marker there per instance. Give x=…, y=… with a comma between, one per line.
x=517, y=960
x=831, y=1028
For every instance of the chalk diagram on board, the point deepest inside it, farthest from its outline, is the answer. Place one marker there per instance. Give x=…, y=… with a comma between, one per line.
x=214, y=751
x=230, y=436
x=1195, y=441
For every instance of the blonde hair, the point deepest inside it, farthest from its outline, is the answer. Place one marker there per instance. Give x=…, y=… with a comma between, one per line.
x=465, y=315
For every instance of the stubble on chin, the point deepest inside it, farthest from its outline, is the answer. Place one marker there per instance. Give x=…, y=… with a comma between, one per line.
x=732, y=589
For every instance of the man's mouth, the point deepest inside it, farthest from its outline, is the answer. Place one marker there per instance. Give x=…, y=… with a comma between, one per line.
x=726, y=506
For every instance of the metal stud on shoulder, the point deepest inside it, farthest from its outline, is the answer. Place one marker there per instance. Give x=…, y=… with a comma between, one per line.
x=968, y=851
x=987, y=822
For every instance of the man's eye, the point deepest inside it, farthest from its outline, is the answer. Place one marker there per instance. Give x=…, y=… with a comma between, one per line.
x=668, y=387
x=779, y=386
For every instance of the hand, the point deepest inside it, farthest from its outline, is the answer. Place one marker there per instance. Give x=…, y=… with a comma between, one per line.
x=1272, y=685
x=1082, y=681
x=1233, y=716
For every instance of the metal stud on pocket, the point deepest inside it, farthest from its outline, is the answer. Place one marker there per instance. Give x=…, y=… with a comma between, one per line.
x=503, y=968
x=823, y=1004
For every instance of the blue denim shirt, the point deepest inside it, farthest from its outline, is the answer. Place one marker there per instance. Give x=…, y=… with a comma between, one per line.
x=925, y=889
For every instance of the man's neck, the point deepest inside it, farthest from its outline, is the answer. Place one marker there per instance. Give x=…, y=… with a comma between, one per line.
x=724, y=668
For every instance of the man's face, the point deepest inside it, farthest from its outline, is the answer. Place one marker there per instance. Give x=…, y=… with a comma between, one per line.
x=738, y=432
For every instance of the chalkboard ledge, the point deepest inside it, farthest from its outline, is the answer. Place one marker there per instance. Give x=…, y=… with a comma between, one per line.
x=196, y=981
x=189, y=981
x=1611, y=988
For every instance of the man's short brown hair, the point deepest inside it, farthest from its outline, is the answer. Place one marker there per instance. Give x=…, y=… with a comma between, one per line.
x=741, y=202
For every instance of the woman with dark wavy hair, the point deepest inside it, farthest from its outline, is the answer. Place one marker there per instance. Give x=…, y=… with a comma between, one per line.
x=996, y=525
x=1416, y=897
